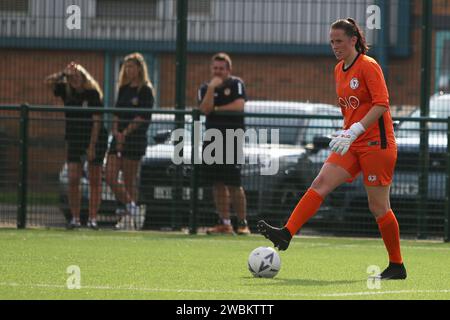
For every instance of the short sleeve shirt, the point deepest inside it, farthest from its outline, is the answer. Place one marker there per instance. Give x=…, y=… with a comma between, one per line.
x=360, y=87
x=78, y=122
x=135, y=99
x=232, y=89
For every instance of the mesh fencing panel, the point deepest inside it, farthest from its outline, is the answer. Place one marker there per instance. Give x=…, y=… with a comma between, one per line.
x=280, y=51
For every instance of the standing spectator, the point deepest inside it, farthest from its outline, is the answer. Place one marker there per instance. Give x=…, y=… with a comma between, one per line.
x=85, y=135
x=129, y=133
x=225, y=93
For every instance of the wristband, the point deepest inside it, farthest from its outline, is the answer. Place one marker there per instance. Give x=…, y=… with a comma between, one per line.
x=357, y=128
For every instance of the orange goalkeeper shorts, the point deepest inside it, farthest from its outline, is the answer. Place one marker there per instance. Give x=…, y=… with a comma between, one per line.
x=377, y=165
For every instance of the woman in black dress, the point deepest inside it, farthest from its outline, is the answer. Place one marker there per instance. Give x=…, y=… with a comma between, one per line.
x=85, y=135
x=129, y=132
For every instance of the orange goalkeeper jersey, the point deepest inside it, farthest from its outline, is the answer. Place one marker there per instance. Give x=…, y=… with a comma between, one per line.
x=360, y=87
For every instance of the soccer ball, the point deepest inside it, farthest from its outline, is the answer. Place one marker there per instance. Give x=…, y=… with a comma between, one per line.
x=264, y=262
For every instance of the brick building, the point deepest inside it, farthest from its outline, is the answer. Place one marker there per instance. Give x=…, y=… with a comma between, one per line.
x=279, y=48
x=281, y=59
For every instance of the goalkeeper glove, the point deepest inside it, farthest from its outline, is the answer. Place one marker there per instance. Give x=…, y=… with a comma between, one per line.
x=342, y=139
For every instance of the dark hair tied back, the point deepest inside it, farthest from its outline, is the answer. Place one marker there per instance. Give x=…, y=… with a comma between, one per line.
x=352, y=29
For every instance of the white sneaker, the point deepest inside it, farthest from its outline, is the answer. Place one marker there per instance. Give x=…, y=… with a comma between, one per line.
x=92, y=224
x=125, y=223
x=74, y=224
x=120, y=225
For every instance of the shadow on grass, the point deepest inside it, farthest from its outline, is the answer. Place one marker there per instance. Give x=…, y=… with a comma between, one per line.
x=303, y=282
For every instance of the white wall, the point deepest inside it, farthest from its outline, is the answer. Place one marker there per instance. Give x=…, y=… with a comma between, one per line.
x=246, y=21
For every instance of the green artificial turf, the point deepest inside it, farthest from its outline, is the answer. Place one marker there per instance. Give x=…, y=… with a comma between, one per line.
x=154, y=265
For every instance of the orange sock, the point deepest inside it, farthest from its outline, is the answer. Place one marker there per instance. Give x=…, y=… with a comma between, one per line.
x=390, y=232
x=305, y=209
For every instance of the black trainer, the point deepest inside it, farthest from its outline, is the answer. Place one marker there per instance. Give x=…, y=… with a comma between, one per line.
x=395, y=271
x=281, y=237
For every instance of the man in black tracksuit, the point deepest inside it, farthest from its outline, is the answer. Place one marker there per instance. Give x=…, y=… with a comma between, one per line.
x=225, y=93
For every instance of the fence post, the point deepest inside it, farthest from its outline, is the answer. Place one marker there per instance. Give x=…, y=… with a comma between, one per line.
x=447, y=189
x=425, y=83
x=180, y=103
x=195, y=143
x=181, y=54
x=23, y=168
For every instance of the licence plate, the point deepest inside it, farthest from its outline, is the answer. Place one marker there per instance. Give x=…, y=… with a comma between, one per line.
x=166, y=193
x=163, y=193
x=404, y=189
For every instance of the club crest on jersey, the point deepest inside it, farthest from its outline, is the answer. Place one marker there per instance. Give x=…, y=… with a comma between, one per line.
x=354, y=83
x=227, y=91
x=135, y=101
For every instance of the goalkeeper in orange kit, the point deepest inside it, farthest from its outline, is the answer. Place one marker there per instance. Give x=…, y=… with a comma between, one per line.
x=366, y=144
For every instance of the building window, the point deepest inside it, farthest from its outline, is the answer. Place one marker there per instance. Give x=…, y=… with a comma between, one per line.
x=199, y=7
x=196, y=7
x=131, y=9
x=14, y=5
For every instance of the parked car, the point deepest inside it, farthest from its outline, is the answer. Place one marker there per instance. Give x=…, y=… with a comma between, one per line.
x=167, y=191
x=158, y=132
x=165, y=188
x=405, y=188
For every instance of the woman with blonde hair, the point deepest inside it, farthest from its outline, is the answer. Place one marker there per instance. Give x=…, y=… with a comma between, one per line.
x=85, y=136
x=129, y=132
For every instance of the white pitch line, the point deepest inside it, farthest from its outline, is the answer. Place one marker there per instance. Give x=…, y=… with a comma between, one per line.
x=137, y=289
x=374, y=292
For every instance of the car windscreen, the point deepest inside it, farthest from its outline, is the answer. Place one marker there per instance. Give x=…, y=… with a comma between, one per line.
x=288, y=128
x=319, y=128
x=438, y=109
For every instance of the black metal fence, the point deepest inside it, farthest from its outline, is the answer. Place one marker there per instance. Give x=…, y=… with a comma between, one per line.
x=172, y=192
x=281, y=51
